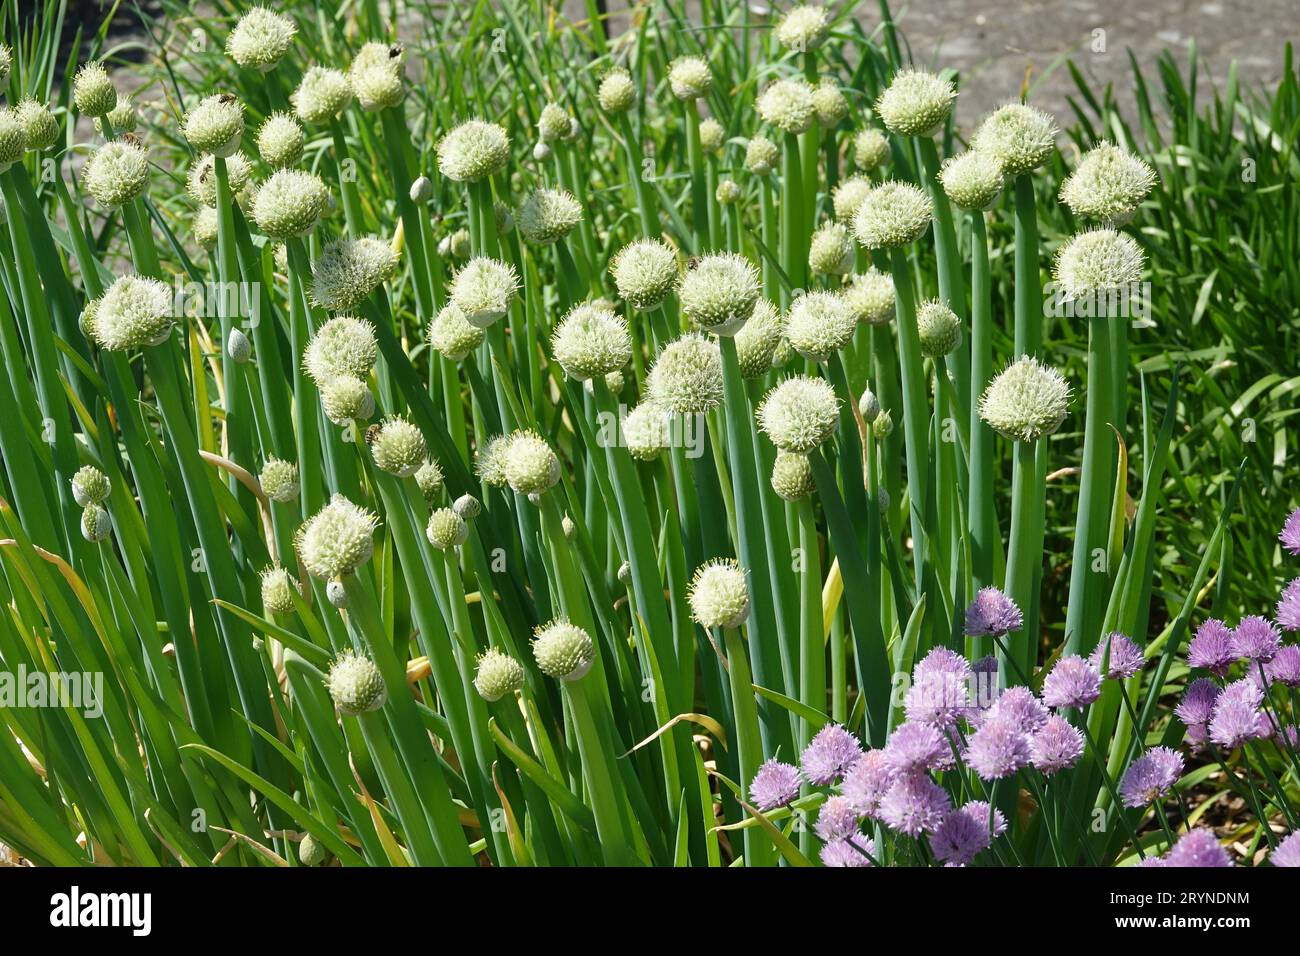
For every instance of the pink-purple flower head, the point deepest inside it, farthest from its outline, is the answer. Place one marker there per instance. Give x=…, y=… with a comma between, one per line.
x=1151, y=777
x=1198, y=848
x=837, y=820
x=1255, y=639
x=941, y=660
x=867, y=782
x=914, y=804
x=1020, y=707
x=1285, y=666
x=855, y=851
x=775, y=785
x=938, y=698
x=965, y=832
x=829, y=754
x=915, y=746
x=998, y=749
x=1119, y=655
x=1055, y=746
x=1211, y=648
x=993, y=614
x=1288, y=607
x=1073, y=682
x=1197, y=706
x=1287, y=852
x=1236, y=718
x=1290, y=534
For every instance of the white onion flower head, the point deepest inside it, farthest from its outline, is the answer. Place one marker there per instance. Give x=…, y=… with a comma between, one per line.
x=344, y=345
x=347, y=271
x=617, y=92
x=719, y=294
x=215, y=124
x=498, y=674
x=355, y=684
x=689, y=78
x=90, y=486
x=446, y=529
x=728, y=192
x=1026, y=401
x=590, y=341
x=819, y=324
x=6, y=66
x=712, y=135
x=686, y=377
x=122, y=117
x=13, y=141
x=92, y=89
x=204, y=227
x=289, y=204
x=260, y=39
x=938, y=327
x=548, y=215
x=279, y=480
x=803, y=28
x=278, y=588
x=40, y=128
x=799, y=414
x=134, y=313
x=831, y=251
x=541, y=152
x=473, y=151
x=346, y=399
x=792, y=476
x=892, y=214
x=644, y=272
x=761, y=155
x=972, y=180
x=757, y=340
x=1098, y=261
x=398, y=447
x=458, y=244
x=788, y=105
x=530, y=465
x=563, y=650
x=452, y=336
x=322, y=94
x=719, y=594
x=870, y=148
x=1021, y=138
x=376, y=76
x=490, y=460
x=646, y=431
x=553, y=123
x=429, y=478
x=1108, y=185
x=484, y=290
x=201, y=181
x=337, y=540
x=870, y=297
x=916, y=103
x=829, y=105
x=116, y=173
x=848, y=196
x=280, y=140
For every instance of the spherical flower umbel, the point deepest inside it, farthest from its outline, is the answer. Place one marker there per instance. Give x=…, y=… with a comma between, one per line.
x=1255, y=638
x=498, y=674
x=829, y=105
x=204, y=227
x=553, y=123
x=201, y=181
x=848, y=196
x=836, y=820
x=803, y=28
x=591, y=340
x=348, y=270
x=1108, y=185
x=92, y=90
x=792, y=476
x=720, y=293
x=40, y=128
x=116, y=173
x=892, y=214
x=336, y=540
x=135, y=312
x=122, y=117
x=289, y=204
x=484, y=289
x=280, y=140
x=757, y=340
x=686, y=377
x=998, y=749
x=398, y=447
x=829, y=755
x=278, y=588
x=1211, y=647
x=1019, y=706
x=1288, y=607
x=279, y=480
x=775, y=785
x=972, y=180
x=870, y=148
x=214, y=124
x=342, y=346
x=452, y=336
x=938, y=327
x=1098, y=261
x=788, y=105
x=870, y=297
x=819, y=324
x=761, y=155
x=799, y=414
x=712, y=135
x=563, y=650
x=473, y=151
x=719, y=594
x=914, y=804
x=90, y=486
x=915, y=746
x=446, y=529
x=1055, y=746
x=1073, y=682
x=1287, y=852
x=916, y=103
x=355, y=684
x=1197, y=704
x=322, y=94
x=992, y=613
x=260, y=39
x=689, y=77
x=831, y=251
x=1197, y=848
x=1122, y=657
x=1290, y=533
x=646, y=432
x=1026, y=401
x=728, y=192
x=428, y=478
x=1236, y=719
x=1021, y=138
x=376, y=76
x=530, y=466
x=617, y=92
x=867, y=781
x=644, y=272
x=1150, y=777
x=548, y=215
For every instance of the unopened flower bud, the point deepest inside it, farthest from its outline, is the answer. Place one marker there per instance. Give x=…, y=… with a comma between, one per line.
x=92, y=90
x=95, y=523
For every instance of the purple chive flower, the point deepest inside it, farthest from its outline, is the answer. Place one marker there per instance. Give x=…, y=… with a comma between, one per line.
x=1073, y=682
x=1288, y=607
x=941, y=660
x=1149, y=861
x=1290, y=534
x=1285, y=666
x=855, y=851
x=915, y=746
x=992, y=613
x=938, y=698
x=1198, y=847
x=1197, y=735
x=979, y=810
x=1287, y=852
x=1125, y=658
x=1197, y=705
x=965, y=832
x=1211, y=648
x=914, y=804
x=998, y=749
x=1256, y=639
x=1020, y=707
x=836, y=820
x=1151, y=776
x=1236, y=718
x=829, y=754
x=775, y=785
x=867, y=782
x=1056, y=746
